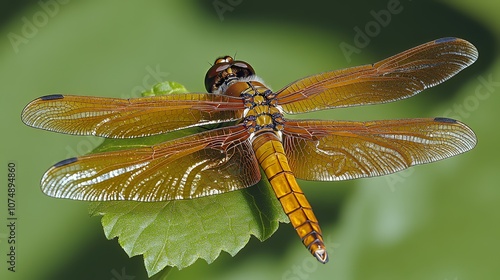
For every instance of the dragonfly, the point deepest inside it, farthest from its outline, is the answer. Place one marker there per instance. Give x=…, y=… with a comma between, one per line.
x=254, y=134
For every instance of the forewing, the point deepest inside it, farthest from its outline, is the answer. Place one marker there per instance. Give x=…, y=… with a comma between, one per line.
x=208, y=163
x=127, y=118
x=341, y=150
x=397, y=77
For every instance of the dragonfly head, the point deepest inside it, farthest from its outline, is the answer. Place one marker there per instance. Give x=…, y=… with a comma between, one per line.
x=225, y=70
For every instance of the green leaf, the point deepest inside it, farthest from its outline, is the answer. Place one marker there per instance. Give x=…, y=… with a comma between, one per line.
x=165, y=88
x=177, y=233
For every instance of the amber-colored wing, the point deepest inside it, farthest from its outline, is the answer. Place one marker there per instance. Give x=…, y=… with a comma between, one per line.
x=208, y=163
x=341, y=150
x=397, y=77
x=126, y=118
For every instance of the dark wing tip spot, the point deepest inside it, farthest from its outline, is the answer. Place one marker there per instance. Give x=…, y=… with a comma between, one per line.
x=52, y=97
x=65, y=162
x=445, y=120
x=445, y=40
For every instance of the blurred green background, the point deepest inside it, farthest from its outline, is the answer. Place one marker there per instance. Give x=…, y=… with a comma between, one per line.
x=438, y=221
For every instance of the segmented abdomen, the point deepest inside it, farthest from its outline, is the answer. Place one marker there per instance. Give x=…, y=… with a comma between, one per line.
x=271, y=156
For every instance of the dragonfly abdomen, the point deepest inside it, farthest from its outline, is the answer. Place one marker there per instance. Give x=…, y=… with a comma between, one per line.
x=271, y=156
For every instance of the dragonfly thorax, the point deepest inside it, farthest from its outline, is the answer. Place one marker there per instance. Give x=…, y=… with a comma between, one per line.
x=237, y=78
x=262, y=111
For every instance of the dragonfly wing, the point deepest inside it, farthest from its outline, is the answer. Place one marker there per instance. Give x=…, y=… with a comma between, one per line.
x=128, y=118
x=341, y=150
x=397, y=77
x=208, y=163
